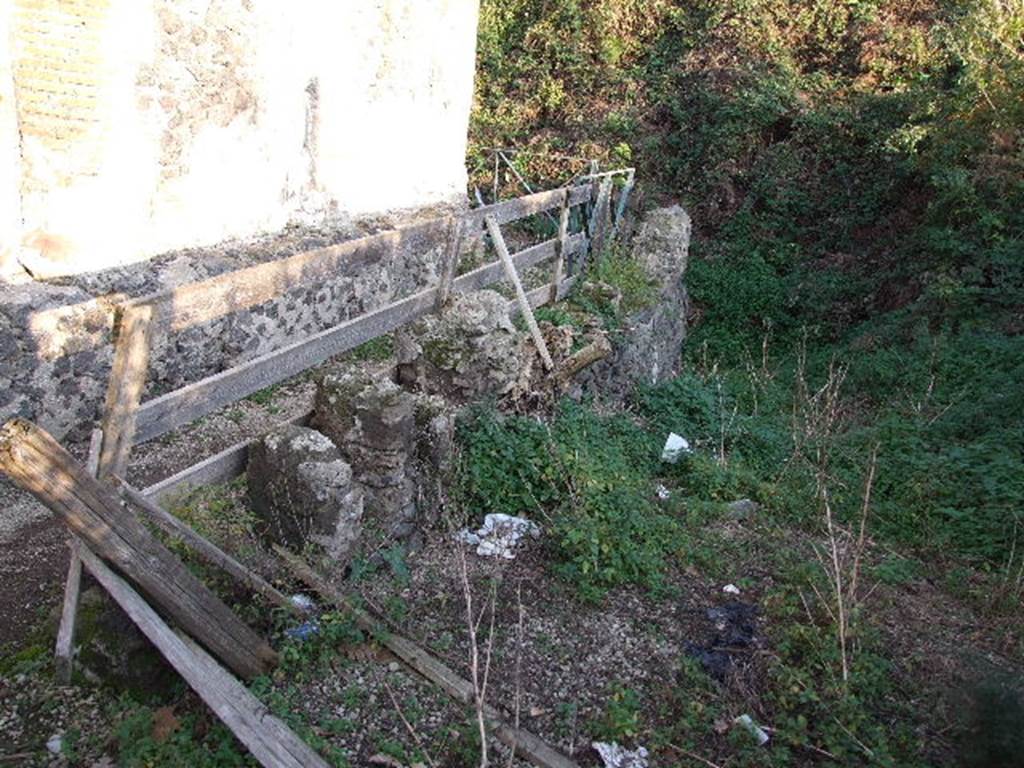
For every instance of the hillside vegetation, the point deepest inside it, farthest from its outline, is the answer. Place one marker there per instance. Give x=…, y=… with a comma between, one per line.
x=855, y=171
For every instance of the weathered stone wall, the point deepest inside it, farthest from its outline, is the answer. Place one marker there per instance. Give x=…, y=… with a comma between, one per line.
x=648, y=350
x=138, y=128
x=56, y=340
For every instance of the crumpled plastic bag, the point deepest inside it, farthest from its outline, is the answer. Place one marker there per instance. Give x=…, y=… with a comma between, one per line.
x=499, y=535
x=616, y=756
x=675, y=447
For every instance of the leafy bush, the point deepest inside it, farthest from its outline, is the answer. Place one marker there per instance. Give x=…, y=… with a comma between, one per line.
x=587, y=478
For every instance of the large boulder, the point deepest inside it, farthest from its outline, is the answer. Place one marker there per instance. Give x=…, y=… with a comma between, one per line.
x=469, y=351
x=662, y=244
x=303, y=492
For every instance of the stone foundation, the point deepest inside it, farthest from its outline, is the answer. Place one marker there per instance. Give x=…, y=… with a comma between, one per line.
x=56, y=340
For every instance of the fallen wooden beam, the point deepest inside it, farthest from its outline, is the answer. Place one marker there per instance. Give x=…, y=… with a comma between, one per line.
x=525, y=744
x=212, y=554
x=164, y=413
x=269, y=740
x=37, y=464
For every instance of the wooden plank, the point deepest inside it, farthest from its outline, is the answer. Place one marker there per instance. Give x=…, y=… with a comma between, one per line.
x=563, y=235
x=524, y=304
x=219, y=468
x=521, y=207
x=451, y=262
x=538, y=297
x=524, y=259
x=421, y=661
x=212, y=554
x=268, y=739
x=162, y=414
x=200, y=302
x=37, y=464
x=64, y=650
x=195, y=303
x=124, y=389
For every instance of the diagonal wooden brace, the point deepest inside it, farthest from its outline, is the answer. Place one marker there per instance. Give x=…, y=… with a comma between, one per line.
x=524, y=302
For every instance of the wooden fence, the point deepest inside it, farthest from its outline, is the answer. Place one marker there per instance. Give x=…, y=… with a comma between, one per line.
x=127, y=420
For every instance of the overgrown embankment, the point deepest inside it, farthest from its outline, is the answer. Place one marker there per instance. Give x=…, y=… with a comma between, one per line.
x=856, y=176
x=855, y=172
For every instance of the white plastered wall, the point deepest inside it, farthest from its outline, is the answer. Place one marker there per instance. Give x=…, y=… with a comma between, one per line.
x=135, y=127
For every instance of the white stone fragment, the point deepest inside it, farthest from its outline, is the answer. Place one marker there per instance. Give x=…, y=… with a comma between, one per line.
x=731, y=589
x=748, y=724
x=55, y=744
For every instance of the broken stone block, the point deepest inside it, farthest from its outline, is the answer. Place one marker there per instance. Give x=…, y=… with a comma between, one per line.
x=373, y=422
x=435, y=448
x=469, y=351
x=398, y=443
x=302, y=490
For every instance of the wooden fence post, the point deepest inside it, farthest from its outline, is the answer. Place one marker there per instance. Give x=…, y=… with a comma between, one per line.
x=563, y=235
x=64, y=650
x=599, y=217
x=451, y=261
x=124, y=391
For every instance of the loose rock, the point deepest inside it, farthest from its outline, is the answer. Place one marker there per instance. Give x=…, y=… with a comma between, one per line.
x=301, y=488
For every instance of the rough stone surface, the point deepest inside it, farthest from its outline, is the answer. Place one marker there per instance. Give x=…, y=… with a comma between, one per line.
x=470, y=351
x=399, y=446
x=56, y=340
x=648, y=349
x=743, y=509
x=662, y=243
x=301, y=488
x=112, y=650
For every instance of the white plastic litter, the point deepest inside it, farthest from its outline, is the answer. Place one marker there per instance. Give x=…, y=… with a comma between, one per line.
x=499, y=535
x=753, y=729
x=675, y=446
x=615, y=756
x=55, y=744
x=303, y=602
x=663, y=492
x=731, y=589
